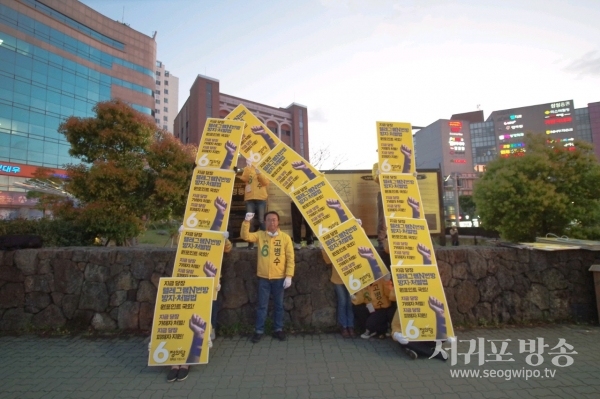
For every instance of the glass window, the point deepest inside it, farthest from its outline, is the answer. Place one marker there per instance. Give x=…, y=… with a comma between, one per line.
x=166, y=100
x=157, y=101
x=166, y=82
x=158, y=82
x=165, y=109
x=166, y=91
x=166, y=119
x=157, y=73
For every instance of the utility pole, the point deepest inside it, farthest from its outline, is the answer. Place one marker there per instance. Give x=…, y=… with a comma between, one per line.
x=456, y=202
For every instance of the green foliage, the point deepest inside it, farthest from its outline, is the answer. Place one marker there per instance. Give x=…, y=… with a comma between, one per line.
x=54, y=232
x=130, y=173
x=467, y=205
x=547, y=190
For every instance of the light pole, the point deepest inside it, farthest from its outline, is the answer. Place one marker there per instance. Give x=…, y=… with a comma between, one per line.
x=456, y=202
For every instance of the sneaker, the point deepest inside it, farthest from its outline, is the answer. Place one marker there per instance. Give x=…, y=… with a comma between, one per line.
x=297, y=246
x=212, y=334
x=280, y=335
x=368, y=334
x=209, y=343
x=412, y=354
x=311, y=246
x=172, y=376
x=256, y=337
x=183, y=373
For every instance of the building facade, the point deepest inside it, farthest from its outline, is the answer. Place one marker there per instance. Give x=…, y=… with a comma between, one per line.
x=463, y=145
x=58, y=58
x=206, y=101
x=166, y=97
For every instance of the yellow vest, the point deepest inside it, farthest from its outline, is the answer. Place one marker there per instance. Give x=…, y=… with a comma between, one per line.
x=378, y=294
x=275, y=254
x=256, y=184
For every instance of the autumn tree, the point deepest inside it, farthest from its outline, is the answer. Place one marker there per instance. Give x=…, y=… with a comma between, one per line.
x=549, y=189
x=129, y=171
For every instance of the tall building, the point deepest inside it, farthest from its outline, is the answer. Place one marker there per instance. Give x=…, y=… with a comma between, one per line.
x=463, y=145
x=290, y=124
x=58, y=58
x=166, y=97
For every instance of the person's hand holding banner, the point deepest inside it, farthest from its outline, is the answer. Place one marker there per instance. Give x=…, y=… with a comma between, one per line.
x=249, y=216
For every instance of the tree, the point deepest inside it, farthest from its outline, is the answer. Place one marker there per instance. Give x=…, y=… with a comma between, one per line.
x=467, y=205
x=549, y=189
x=321, y=157
x=130, y=171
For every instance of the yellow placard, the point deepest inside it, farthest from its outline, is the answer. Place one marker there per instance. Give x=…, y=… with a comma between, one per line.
x=219, y=146
x=181, y=325
x=395, y=147
x=258, y=140
x=422, y=308
x=353, y=255
x=287, y=169
x=199, y=254
x=320, y=205
x=400, y=195
x=208, y=201
x=430, y=198
x=410, y=242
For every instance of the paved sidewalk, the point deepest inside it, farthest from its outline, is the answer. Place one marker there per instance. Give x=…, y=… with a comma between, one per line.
x=310, y=366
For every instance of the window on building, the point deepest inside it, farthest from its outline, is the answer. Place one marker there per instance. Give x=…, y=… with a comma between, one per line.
x=166, y=91
x=158, y=82
x=165, y=109
x=158, y=64
x=167, y=74
x=165, y=127
x=166, y=119
x=157, y=111
x=156, y=91
x=166, y=100
x=157, y=101
x=157, y=120
x=166, y=82
x=157, y=73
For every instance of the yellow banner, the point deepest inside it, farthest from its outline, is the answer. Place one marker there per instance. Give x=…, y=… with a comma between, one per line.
x=208, y=201
x=395, y=147
x=181, y=325
x=219, y=145
x=422, y=308
x=430, y=198
x=410, y=242
x=199, y=254
x=400, y=195
x=321, y=205
x=353, y=256
x=287, y=169
x=258, y=139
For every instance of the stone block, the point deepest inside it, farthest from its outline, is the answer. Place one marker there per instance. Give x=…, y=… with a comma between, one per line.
x=26, y=260
x=117, y=298
x=234, y=293
x=142, y=269
x=467, y=296
x=15, y=320
x=12, y=295
x=94, y=296
x=67, y=277
x=103, y=322
x=97, y=273
x=129, y=316
x=51, y=317
x=11, y=273
x=36, y=301
x=81, y=319
x=146, y=316
x=39, y=283
x=146, y=292
x=69, y=305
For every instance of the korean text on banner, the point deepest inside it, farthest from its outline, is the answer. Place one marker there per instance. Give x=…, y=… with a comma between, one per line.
x=219, y=146
x=400, y=195
x=199, y=254
x=181, y=326
x=422, y=307
x=409, y=242
x=395, y=147
x=258, y=139
x=206, y=206
x=320, y=205
x=353, y=256
x=287, y=169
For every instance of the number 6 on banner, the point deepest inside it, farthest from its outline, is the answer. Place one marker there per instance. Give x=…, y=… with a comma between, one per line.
x=354, y=282
x=160, y=354
x=385, y=166
x=411, y=331
x=203, y=160
x=191, y=221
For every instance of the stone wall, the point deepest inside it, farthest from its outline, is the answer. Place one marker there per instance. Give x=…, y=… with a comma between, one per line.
x=115, y=288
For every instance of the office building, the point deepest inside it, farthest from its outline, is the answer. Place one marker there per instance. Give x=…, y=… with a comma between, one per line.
x=290, y=124
x=58, y=59
x=166, y=97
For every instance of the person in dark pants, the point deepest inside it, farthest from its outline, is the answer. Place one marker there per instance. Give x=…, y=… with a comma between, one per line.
x=297, y=222
x=454, y=236
x=380, y=306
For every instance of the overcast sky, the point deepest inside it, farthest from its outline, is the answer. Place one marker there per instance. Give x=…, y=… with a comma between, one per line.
x=353, y=63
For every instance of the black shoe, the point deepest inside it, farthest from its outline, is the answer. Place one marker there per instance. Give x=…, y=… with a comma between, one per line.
x=172, y=376
x=256, y=337
x=250, y=246
x=280, y=335
x=183, y=373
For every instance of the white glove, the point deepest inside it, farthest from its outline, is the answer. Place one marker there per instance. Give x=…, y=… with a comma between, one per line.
x=248, y=162
x=377, y=172
x=249, y=216
x=359, y=222
x=218, y=287
x=400, y=338
x=352, y=297
x=180, y=229
x=451, y=340
x=287, y=282
x=257, y=171
x=226, y=234
x=209, y=342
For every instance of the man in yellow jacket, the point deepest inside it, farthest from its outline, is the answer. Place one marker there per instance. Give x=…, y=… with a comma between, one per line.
x=275, y=271
x=379, y=299
x=255, y=193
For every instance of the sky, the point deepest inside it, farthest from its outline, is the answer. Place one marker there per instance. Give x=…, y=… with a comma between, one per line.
x=353, y=62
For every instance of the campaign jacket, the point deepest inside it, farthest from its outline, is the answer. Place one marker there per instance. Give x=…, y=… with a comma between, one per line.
x=275, y=254
x=256, y=184
x=379, y=294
